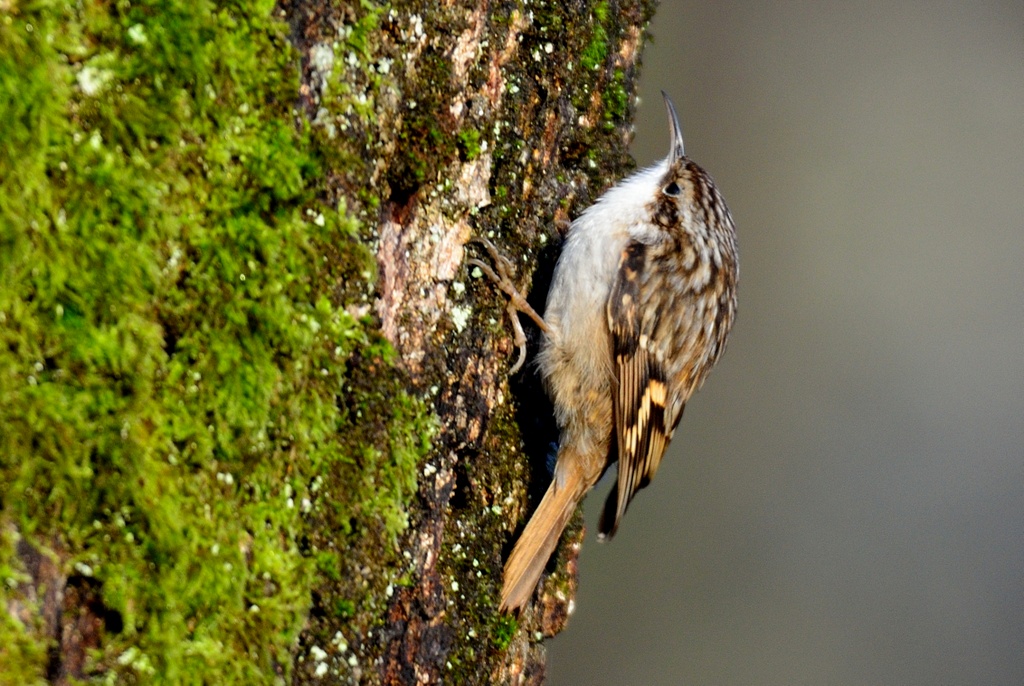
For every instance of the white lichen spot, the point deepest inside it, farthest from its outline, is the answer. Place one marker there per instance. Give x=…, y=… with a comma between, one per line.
x=352, y=661
x=458, y=287
x=455, y=585
x=320, y=670
x=215, y=549
x=95, y=140
x=307, y=505
x=319, y=219
x=83, y=569
x=390, y=590
x=321, y=59
x=290, y=503
x=137, y=34
x=175, y=258
x=339, y=640
x=460, y=316
x=496, y=509
x=429, y=470
x=549, y=48
x=128, y=656
x=92, y=79
x=318, y=653
x=476, y=273
x=254, y=608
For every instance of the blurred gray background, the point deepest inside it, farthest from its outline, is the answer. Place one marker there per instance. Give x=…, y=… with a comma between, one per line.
x=844, y=501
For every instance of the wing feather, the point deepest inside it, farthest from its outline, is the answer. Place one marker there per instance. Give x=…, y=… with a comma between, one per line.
x=641, y=392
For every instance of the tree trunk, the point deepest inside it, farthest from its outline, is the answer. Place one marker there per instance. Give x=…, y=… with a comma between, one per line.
x=257, y=420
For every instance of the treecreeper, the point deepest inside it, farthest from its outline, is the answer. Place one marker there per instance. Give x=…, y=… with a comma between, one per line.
x=640, y=306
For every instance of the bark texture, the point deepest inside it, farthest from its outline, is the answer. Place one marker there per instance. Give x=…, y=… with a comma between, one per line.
x=382, y=460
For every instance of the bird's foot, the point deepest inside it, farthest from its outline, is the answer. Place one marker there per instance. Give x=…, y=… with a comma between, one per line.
x=501, y=274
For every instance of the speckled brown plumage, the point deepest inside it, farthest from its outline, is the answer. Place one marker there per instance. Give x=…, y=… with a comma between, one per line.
x=639, y=310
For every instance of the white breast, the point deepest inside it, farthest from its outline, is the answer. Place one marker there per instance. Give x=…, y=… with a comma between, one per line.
x=576, y=306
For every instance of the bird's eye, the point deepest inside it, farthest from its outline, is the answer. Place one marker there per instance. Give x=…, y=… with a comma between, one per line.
x=672, y=189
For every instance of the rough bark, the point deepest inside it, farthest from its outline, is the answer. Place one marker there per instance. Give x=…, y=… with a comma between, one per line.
x=428, y=123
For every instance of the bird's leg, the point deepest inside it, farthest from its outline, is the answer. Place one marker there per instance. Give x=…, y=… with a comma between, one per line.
x=501, y=275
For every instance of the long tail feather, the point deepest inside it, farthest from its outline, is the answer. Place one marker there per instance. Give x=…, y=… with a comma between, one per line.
x=534, y=547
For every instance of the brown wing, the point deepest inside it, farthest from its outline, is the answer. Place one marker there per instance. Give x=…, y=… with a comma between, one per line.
x=640, y=394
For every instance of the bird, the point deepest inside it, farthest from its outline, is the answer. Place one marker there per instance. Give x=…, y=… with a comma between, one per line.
x=639, y=310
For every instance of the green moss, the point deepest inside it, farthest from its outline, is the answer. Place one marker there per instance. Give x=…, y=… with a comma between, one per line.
x=344, y=608
x=616, y=101
x=175, y=364
x=505, y=629
x=22, y=659
x=469, y=144
x=361, y=35
x=425, y=144
x=596, y=52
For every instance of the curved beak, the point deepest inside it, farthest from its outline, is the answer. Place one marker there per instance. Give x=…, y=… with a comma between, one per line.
x=676, y=151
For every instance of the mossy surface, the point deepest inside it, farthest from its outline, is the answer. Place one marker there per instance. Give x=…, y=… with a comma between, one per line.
x=203, y=435
x=186, y=402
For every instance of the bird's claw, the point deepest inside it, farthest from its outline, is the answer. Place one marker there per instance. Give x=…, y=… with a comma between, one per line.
x=501, y=275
